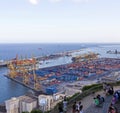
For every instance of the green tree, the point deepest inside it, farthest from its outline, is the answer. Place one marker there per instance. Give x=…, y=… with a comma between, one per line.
x=36, y=111
x=25, y=112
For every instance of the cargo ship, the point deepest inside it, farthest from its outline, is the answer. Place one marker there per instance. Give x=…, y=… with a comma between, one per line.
x=3, y=63
x=113, y=52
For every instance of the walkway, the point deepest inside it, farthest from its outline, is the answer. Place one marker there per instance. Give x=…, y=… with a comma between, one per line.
x=107, y=104
x=117, y=105
x=89, y=106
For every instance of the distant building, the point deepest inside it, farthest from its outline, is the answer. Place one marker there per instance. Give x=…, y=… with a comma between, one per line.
x=12, y=105
x=45, y=102
x=20, y=104
x=27, y=104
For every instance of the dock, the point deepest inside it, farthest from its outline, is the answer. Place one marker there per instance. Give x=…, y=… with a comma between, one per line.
x=28, y=86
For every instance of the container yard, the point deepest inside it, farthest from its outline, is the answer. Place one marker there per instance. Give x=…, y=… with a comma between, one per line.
x=50, y=80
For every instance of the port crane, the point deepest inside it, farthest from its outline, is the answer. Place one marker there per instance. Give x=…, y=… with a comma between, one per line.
x=25, y=69
x=12, y=70
x=36, y=81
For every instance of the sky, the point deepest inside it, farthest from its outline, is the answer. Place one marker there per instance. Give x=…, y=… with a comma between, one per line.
x=59, y=21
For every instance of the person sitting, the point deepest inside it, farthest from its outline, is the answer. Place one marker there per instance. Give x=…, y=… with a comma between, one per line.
x=101, y=99
x=118, y=94
x=112, y=109
x=81, y=109
x=96, y=101
x=114, y=100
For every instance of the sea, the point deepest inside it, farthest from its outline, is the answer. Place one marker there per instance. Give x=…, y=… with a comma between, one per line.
x=9, y=88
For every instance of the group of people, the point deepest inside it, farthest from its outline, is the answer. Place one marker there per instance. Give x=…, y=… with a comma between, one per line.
x=115, y=98
x=98, y=100
x=108, y=89
x=77, y=107
x=112, y=109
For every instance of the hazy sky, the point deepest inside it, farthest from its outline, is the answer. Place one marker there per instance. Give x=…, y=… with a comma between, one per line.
x=59, y=21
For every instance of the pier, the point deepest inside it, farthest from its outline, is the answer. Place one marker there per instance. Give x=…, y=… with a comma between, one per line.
x=26, y=85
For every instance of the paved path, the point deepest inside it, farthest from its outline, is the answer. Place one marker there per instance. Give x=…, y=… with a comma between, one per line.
x=93, y=109
x=88, y=103
x=117, y=105
x=107, y=104
x=101, y=109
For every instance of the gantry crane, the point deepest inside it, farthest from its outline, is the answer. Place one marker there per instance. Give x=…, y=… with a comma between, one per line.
x=25, y=74
x=36, y=81
x=23, y=68
x=12, y=70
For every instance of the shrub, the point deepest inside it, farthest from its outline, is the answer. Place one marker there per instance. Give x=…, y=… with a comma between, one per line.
x=36, y=111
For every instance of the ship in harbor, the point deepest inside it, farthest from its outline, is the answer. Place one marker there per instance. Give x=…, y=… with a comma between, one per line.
x=113, y=52
x=3, y=63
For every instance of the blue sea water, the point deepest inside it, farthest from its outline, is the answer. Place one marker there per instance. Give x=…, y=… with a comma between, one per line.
x=10, y=88
x=9, y=51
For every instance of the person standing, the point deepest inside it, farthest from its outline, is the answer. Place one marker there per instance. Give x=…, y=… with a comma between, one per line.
x=104, y=87
x=78, y=107
x=65, y=105
x=74, y=108
x=60, y=108
x=81, y=109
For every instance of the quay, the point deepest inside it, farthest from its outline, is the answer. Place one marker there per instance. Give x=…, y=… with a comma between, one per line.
x=28, y=86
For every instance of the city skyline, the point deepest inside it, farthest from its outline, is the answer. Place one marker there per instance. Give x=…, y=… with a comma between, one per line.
x=56, y=21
